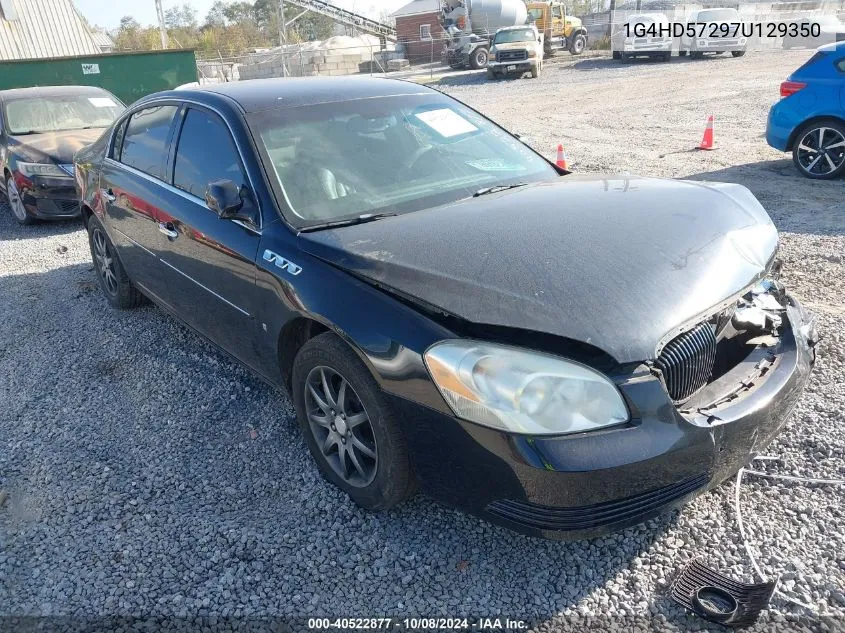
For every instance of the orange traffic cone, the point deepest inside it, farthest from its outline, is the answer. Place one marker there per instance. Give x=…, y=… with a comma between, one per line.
x=561, y=157
x=707, y=141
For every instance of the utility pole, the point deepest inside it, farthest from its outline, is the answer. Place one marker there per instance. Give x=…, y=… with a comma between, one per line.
x=161, y=28
x=283, y=37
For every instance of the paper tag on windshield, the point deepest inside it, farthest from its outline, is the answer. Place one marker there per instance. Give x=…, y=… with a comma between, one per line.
x=102, y=102
x=446, y=122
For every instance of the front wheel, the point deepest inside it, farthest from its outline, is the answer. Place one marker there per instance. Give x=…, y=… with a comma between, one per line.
x=349, y=426
x=478, y=58
x=819, y=151
x=16, y=203
x=578, y=45
x=737, y=53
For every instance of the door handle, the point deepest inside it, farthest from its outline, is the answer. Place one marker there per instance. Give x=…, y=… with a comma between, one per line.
x=168, y=229
x=108, y=195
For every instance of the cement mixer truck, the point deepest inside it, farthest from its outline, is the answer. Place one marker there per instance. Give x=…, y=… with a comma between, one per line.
x=471, y=24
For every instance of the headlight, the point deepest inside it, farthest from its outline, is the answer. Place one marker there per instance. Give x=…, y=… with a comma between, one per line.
x=523, y=391
x=532, y=53
x=41, y=169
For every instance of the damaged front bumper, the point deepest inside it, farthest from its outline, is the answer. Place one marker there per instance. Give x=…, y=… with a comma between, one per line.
x=588, y=484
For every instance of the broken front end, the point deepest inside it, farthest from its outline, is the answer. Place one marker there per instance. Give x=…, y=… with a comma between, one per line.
x=740, y=372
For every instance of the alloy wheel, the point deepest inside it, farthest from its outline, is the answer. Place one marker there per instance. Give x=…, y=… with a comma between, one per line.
x=821, y=151
x=341, y=426
x=104, y=259
x=15, y=201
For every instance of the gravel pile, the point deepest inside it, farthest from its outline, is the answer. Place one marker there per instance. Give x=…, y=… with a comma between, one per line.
x=146, y=474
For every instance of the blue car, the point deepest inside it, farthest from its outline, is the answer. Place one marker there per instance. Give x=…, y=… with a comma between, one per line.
x=809, y=120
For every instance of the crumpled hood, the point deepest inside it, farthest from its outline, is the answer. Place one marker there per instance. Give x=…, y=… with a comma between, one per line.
x=617, y=262
x=52, y=147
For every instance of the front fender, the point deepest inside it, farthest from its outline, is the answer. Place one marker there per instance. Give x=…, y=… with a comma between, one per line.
x=389, y=334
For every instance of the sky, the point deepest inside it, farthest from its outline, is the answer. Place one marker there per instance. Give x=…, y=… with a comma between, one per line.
x=107, y=13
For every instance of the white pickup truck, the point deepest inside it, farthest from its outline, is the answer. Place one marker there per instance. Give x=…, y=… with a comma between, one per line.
x=516, y=50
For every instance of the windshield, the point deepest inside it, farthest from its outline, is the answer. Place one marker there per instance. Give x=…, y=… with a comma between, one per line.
x=517, y=35
x=55, y=113
x=386, y=155
x=535, y=14
x=717, y=15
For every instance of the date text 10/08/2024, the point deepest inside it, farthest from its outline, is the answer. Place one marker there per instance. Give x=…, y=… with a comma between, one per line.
x=722, y=29
x=422, y=623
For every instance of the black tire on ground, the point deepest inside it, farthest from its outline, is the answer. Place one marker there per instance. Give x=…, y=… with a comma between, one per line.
x=807, y=137
x=579, y=43
x=116, y=286
x=737, y=53
x=16, y=206
x=392, y=480
x=617, y=55
x=478, y=58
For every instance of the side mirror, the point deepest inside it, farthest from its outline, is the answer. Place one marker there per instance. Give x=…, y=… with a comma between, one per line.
x=224, y=198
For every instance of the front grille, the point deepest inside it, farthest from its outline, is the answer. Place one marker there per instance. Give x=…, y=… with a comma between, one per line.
x=592, y=516
x=687, y=361
x=511, y=56
x=68, y=206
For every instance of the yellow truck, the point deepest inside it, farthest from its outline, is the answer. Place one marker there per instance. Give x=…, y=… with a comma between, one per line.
x=560, y=31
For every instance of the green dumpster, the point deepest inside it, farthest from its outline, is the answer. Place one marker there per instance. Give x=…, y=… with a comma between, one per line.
x=129, y=76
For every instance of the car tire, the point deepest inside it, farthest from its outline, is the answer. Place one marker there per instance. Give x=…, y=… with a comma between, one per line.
x=579, y=43
x=114, y=282
x=491, y=74
x=808, y=137
x=478, y=58
x=380, y=477
x=617, y=55
x=16, y=205
x=737, y=53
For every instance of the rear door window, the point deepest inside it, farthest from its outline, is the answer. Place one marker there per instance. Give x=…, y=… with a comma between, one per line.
x=144, y=143
x=206, y=152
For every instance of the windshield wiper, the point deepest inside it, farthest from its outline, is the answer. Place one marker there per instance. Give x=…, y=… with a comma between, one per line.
x=497, y=188
x=361, y=219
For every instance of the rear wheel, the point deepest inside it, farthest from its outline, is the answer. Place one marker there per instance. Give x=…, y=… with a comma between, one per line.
x=113, y=279
x=16, y=202
x=350, y=427
x=478, y=58
x=819, y=150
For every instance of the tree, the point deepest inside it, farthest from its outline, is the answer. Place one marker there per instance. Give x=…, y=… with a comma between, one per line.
x=216, y=16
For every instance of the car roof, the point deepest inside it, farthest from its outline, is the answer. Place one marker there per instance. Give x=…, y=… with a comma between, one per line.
x=255, y=95
x=833, y=46
x=50, y=91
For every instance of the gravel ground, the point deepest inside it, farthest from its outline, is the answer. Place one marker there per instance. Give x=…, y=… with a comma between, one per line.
x=147, y=475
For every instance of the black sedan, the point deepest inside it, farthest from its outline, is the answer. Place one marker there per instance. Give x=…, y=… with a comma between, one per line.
x=40, y=129
x=565, y=355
